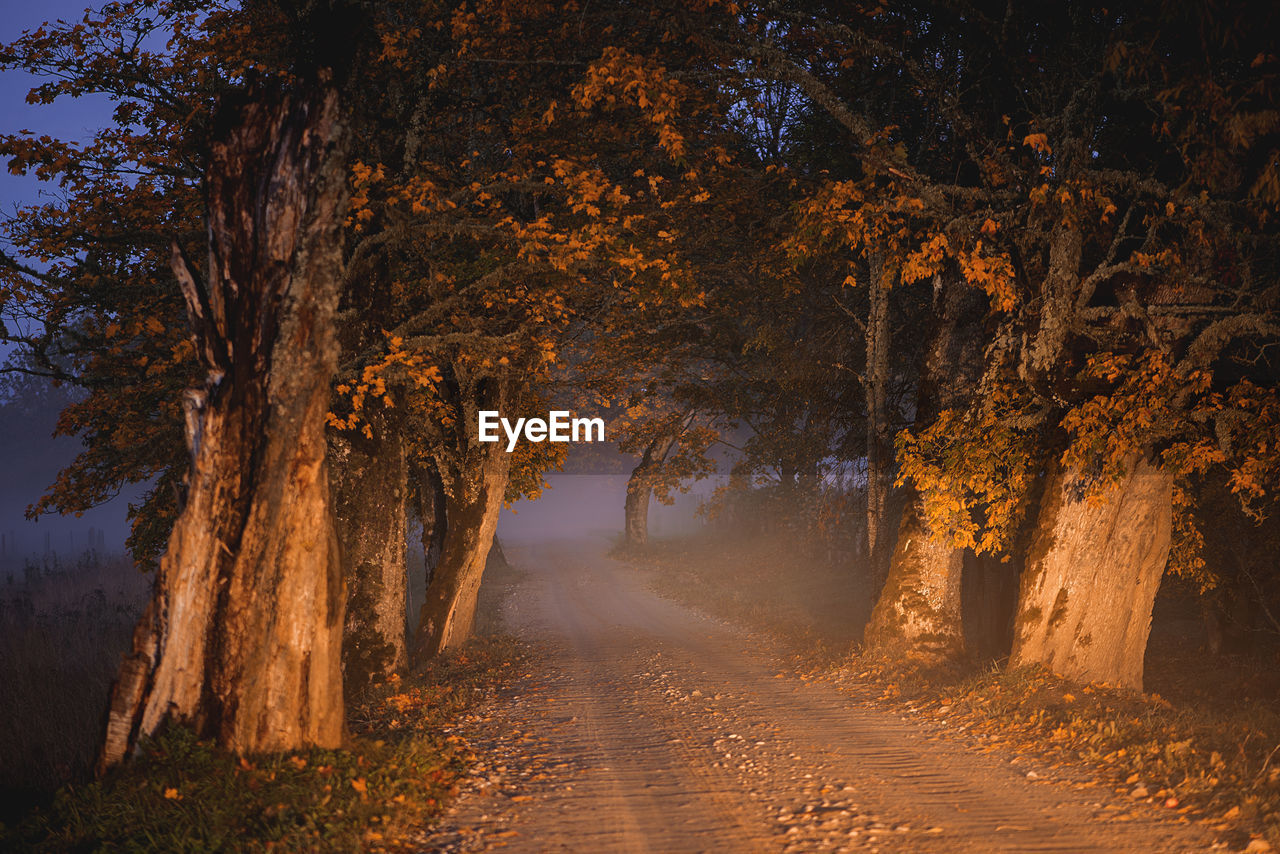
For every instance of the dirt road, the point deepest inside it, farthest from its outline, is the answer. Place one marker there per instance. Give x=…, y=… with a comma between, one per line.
x=653, y=729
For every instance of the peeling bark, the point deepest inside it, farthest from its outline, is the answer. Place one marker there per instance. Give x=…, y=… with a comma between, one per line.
x=242, y=638
x=1085, y=600
x=369, y=480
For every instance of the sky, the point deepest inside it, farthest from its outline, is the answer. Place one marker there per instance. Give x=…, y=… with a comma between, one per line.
x=75, y=118
x=28, y=467
x=33, y=466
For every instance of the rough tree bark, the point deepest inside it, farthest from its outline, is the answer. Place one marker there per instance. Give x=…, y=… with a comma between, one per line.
x=989, y=591
x=640, y=489
x=919, y=613
x=1085, y=599
x=474, y=475
x=472, y=505
x=879, y=449
x=242, y=638
x=428, y=488
x=369, y=480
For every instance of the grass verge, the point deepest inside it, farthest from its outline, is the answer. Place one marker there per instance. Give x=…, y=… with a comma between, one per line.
x=63, y=628
x=1216, y=764
x=766, y=583
x=1210, y=752
x=184, y=795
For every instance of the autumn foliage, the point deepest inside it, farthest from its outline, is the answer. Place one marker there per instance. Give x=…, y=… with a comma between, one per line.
x=977, y=266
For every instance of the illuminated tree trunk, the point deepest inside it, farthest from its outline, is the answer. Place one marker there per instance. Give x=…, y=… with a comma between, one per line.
x=473, y=501
x=243, y=636
x=370, y=493
x=919, y=613
x=640, y=489
x=1085, y=599
x=474, y=476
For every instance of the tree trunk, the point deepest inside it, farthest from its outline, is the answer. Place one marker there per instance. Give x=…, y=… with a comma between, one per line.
x=1085, y=600
x=640, y=489
x=497, y=557
x=1059, y=290
x=243, y=636
x=472, y=504
x=879, y=448
x=369, y=479
x=636, y=510
x=919, y=612
x=989, y=592
x=429, y=489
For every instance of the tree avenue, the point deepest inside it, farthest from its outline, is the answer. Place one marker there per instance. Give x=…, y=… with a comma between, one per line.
x=969, y=285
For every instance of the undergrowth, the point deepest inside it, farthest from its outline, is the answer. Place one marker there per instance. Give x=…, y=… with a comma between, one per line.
x=181, y=794
x=63, y=628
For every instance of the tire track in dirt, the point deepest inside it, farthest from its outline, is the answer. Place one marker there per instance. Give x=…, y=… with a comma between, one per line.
x=654, y=729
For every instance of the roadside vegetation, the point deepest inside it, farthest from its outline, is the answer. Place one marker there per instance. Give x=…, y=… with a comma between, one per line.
x=1003, y=273
x=63, y=626
x=399, y=770
x=181, y=794
x=1203, y=742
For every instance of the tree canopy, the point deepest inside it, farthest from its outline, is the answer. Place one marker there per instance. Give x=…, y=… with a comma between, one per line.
x=996, y=260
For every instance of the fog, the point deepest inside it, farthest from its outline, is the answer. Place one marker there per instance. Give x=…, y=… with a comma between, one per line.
x=591, y=505
x=572, y=505
x=30, y=459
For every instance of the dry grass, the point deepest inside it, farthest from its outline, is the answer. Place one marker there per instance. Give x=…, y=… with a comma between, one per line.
x=180, y=794
x=62, y=632
x=62, y=640
x=768, y=583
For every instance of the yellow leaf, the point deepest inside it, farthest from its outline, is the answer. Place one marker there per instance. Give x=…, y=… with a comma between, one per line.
x=1038, y=142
